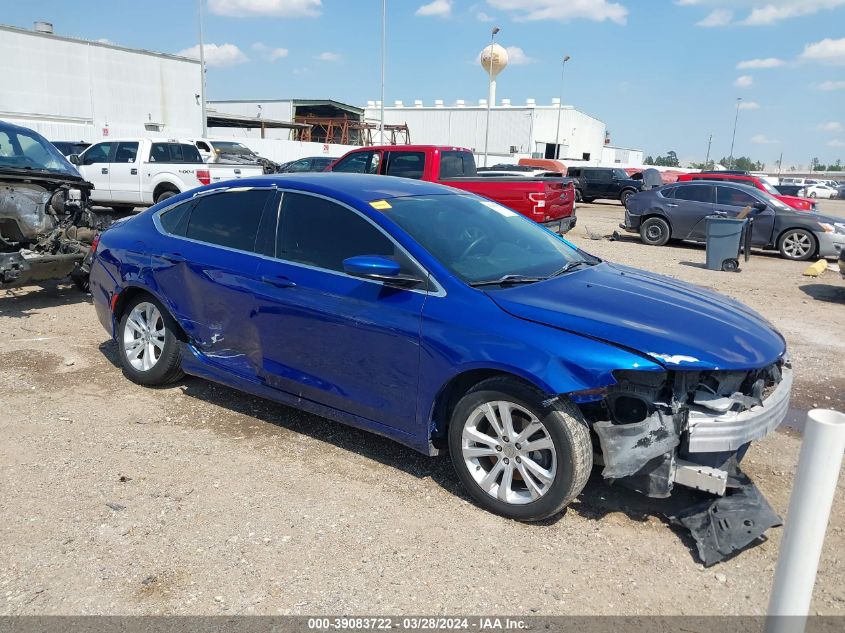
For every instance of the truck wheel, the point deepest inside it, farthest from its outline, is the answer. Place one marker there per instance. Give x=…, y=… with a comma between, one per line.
x=797, y=245
x=623, y=197
x=164, y=195
x=655, y=231
x=147, y=344
x=515, y=455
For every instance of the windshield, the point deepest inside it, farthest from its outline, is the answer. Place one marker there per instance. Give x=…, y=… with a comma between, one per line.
x=24, y=149
x=479, y=240
x=620, y=174
x=228, y=147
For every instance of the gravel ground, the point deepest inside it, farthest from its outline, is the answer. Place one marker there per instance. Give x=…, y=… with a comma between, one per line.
x=196, y=499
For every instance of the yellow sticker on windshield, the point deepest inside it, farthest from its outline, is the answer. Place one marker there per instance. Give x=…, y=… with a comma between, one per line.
x=381, y=205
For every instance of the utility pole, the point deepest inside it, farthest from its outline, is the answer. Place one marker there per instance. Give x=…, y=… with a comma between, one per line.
x=383, y=60
x=707, y=160
x=495, y=30
x=733, y=138
x=780, y=164
x=202, y=75
x=566, y=58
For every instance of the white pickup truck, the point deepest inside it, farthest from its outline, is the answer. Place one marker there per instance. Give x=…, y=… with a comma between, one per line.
x=135, y=172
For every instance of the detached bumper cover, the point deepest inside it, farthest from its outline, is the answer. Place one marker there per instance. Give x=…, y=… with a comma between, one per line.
x=730, y=431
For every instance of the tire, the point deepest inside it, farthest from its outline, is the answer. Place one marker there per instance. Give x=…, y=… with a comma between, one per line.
x=812, y=194
x=541, y=482
x=162, y=347
x=797, y=244
x=623, y=197
x=578, y=196
x=730, y=265
x=655, y=231
x=164, y=195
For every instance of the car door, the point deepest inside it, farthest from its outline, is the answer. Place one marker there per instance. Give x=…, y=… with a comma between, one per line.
x=600, y=183
x=732, y=200
x=344, y=342
x=206, y=268
x=692, y=203
x=364, y=162
x=124, y=180
x=94, y=164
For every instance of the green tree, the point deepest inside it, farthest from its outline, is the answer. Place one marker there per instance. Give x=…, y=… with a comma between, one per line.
x=649, y=160
x=742, y=163
x=836, y=166
x=670, y=160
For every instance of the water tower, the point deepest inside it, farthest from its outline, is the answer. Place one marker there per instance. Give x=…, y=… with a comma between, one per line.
x=494, y=58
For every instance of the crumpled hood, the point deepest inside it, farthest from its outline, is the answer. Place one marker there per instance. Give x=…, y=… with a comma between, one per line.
x=675, y=323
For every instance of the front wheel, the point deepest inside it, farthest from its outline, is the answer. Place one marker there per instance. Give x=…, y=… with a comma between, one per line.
x=147, y=343
x=516, y=456
x=797, y=244
x=655, y=232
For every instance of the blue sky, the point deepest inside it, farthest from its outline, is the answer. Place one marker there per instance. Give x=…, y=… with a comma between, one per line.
x=663, y=74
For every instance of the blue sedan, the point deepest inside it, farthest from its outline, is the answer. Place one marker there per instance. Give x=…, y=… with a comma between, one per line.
x=446, y=322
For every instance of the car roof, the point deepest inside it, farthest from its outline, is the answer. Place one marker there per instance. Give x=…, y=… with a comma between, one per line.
x=344, y=186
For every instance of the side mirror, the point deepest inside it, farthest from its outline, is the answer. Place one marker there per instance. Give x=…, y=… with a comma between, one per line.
x=760, y=206
x=74, y=159
x=378, y=268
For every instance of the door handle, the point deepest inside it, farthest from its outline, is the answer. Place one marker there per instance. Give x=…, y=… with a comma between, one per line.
x=279, y=281
x=104, y=170
x=238, y=171
x=133, y=171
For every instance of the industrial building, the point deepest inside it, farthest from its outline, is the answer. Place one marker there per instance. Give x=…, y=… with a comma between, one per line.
x=78, y=90
x=522, y=130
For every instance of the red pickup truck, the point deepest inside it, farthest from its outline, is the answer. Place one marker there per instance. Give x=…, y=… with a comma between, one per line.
x=549, y=201
x=799, y=204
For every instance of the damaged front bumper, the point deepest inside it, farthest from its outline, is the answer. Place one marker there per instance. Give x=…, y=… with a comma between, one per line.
x=692, y=428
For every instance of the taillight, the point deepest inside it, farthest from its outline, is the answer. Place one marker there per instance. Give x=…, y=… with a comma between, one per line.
x=95, y=243
x=204, y=176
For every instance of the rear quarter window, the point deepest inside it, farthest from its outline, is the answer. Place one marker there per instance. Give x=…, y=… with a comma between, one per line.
x=229, y=219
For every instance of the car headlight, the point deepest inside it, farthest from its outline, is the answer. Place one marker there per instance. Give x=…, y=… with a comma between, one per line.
x=836, y=227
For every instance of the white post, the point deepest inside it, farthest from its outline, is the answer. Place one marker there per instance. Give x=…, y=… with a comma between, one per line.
x=202, y=71
x=806, y=521
x=383, y=64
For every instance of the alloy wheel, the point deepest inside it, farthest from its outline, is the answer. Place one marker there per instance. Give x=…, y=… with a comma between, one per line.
x=797, y=245
x=144, y=336
x=508, y=452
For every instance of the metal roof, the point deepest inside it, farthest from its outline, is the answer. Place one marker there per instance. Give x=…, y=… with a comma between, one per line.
x=224, y=119
x=297, y=102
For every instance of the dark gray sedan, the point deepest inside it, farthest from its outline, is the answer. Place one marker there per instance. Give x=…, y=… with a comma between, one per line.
x=678, y=211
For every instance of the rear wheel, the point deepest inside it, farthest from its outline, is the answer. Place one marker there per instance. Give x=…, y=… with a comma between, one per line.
x=164, y=195
x=655, y=231
x=147, y=343
x=813, y=194
x=515, y=456
x=797, y=244
x=623, y=197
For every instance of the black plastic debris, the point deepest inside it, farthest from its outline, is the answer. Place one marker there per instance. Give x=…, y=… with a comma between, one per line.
x=727, y=524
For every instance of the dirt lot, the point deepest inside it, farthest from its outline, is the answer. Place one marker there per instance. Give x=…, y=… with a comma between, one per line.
x=197, y=499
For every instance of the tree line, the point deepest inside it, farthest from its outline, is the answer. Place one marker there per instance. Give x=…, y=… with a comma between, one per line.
x=741, y=163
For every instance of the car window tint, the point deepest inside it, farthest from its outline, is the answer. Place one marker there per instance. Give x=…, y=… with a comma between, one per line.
x=358, y=163
x=159, y=153
x=98, y=153
x=457, y=164
x=228, y=219
x=600, y=175
x=321, y=233
x=668, y=192
x=175, y=221
x=575, y=173
x=695, y=193
x=406, y=164
x=734, y=197
x=204, y=147
x=300, y=165
x=176, y=154
x=126, y=153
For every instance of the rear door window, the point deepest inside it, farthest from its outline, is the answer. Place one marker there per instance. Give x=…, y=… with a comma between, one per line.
x=228, y=219
x=734, y=197
x=405, y=164
x=456, y=164
x=695, y=193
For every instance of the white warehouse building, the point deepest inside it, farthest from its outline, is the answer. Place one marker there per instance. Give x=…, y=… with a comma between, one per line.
x=526, y=130
x=78, y=90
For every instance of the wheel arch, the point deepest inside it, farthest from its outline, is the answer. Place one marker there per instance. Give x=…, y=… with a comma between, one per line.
x=165, y=185
x=658, y=213
x=803, y=228
x=125, y=297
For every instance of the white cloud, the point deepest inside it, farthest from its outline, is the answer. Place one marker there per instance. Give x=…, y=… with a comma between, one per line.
x=269, y=53
x=777, y=10
x=831, y=126
x=517, y=56
x=768, y=62
x=562, y=10
x=749, y=105
x=328, y=57
x=762, y=139
x=275, y=8
x=438, y=8
x=829, y=86
x=836, y=143
x=827, y=51
x=221, y=55
x=744, y=81
x=717, y=17
x=483, y=17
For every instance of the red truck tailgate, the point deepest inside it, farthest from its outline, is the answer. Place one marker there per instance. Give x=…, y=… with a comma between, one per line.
x=542, y=200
